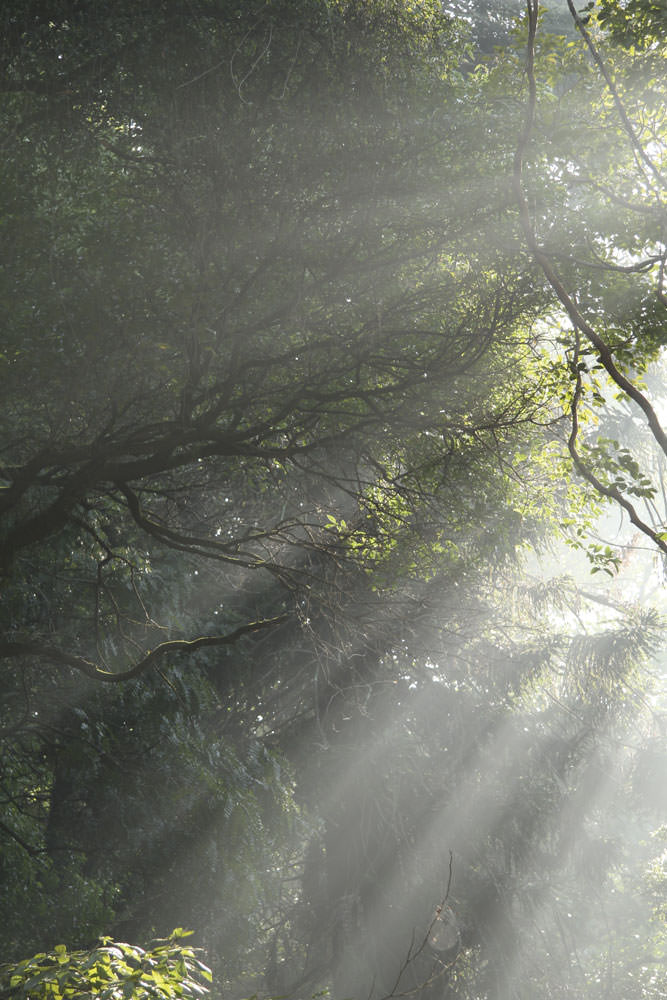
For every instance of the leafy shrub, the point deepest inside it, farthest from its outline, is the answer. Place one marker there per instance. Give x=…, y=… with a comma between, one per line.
x=110, y=971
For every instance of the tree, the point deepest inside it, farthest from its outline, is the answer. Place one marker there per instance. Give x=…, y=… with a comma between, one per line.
x=243, y=335
x=267, y=661
x=201, y=378
x=611, y=292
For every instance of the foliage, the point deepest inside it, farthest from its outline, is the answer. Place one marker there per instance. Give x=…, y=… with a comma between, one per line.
x=230, y=312
x=636, y=23
x=110, y=971
x=308, y=293
x=610, y=212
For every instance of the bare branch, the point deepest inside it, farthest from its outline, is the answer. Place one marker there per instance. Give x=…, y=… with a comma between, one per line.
x=150, y=658
x=412, y=955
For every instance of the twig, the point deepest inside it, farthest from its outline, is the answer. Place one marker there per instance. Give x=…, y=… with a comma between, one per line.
x=412, y=955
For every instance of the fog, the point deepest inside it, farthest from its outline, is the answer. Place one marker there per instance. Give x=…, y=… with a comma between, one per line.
x=333, y=500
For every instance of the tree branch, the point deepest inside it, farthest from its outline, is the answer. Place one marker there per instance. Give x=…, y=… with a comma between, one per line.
x=628, y=127
x=34, y=852
x=188, y=543
x=579, y=323
x=611, y=492
x=150, y=658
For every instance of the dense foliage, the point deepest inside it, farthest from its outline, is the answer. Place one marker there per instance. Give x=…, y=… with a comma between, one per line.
x=322, y=323
x=111, y=971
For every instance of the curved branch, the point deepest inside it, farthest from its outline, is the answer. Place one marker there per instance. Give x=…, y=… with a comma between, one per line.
x=611, y=492
x=186, y=543
x=97, y=464
x=604, y=352
x=150, y=658
x=628, y=127
x=579, y=323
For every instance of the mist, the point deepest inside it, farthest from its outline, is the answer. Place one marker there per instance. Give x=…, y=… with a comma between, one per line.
x=333, y=500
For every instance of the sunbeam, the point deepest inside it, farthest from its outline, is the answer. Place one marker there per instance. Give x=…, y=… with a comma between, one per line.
x=333, y=500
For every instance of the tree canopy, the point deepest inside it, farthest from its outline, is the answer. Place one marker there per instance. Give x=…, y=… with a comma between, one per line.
x=325, y=326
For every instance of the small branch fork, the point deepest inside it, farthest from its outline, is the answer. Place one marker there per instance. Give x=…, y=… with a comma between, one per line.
x=412, y=954
x=581, y=326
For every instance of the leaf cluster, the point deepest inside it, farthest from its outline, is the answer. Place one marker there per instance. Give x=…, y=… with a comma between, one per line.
x=112, y=971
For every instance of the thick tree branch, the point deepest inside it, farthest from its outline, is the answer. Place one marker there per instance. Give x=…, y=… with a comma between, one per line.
x=91, y=467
